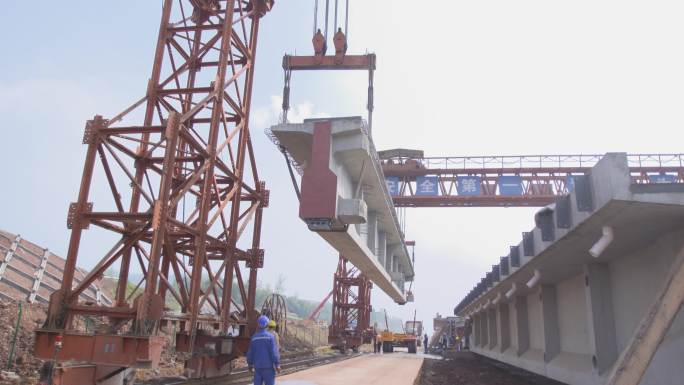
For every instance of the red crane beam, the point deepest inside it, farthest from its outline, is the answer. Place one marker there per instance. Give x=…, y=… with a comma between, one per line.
x=541, y=178
x=317, y=311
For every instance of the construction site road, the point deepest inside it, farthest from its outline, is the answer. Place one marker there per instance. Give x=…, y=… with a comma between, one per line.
x=373, y=369
x=241, y=377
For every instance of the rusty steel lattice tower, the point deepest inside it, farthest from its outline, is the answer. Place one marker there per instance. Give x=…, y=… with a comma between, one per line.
x=351, y=308
x=185, y=205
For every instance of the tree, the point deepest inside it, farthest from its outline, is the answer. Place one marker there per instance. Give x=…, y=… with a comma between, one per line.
x=280, y=285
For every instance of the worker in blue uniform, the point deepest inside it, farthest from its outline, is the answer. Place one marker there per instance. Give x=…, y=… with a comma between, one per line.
x=263, y=358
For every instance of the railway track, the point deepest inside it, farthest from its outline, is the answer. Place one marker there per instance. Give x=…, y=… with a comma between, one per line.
x=241, y=377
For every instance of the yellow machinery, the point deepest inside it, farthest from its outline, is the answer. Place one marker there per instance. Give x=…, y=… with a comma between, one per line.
x=410, y=338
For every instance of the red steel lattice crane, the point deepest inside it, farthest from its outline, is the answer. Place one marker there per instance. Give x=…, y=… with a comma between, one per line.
x=539, y=179
x=183, y=189
x=351, y=308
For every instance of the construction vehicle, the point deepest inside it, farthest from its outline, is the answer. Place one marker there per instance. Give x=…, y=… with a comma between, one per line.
x=416, y=328
x=410, y=338
x=386, y=338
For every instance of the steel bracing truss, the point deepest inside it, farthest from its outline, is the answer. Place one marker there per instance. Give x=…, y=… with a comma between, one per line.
x=544, y=177
x=184, y=197
x=351, y=308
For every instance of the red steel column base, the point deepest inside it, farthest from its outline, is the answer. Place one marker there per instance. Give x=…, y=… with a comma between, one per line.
x=100, y=349
x=87, y=374
x=212, y=354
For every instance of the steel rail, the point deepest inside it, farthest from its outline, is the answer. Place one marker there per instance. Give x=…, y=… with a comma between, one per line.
x=245, y=377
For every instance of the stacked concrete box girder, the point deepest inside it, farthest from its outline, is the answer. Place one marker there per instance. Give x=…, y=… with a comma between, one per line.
x=345, y=198
x=572, y=323
x=31, y=273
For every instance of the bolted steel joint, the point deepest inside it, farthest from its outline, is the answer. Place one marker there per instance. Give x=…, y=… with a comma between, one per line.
x=92, y=128
x=257, y=259
x=74, y=217
x=265, y=194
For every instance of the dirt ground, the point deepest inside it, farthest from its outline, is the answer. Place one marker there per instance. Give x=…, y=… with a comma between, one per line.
x=23, y=362
x=466, y=368
x=303, y=337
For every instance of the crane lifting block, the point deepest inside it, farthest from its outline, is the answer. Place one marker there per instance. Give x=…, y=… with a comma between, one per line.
x=347, y=62
x=345, y=200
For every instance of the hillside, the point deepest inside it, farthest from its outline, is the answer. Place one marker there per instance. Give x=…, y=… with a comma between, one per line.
x=297, y=308
x=301, y=308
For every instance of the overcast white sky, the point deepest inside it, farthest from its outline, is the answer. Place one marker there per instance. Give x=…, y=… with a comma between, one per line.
x=453, y=78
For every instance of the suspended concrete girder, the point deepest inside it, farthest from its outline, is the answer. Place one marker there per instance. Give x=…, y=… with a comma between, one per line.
x=345, y=200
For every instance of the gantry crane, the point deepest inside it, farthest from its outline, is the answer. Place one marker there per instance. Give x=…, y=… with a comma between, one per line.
x=184, y=186
x=415, y=180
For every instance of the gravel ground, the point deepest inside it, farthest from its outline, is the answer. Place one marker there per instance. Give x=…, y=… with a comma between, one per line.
x=23, y=363
x=466, y=368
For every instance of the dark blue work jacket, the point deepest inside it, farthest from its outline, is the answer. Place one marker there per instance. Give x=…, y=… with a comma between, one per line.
x=263, y=351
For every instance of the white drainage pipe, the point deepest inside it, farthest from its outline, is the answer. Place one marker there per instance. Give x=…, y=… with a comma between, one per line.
x=496, y=299
x=511, y=292
x=601, y=245
x=535, y=279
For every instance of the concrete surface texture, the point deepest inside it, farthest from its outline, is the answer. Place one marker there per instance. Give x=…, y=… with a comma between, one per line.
x=345, y=200
x=396, y=369
x=564, y=313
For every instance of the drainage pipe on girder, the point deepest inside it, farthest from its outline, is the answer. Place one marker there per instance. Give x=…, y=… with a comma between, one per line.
x=603, y=242
x=496, y=299
x=535, y=279
x=511, y=292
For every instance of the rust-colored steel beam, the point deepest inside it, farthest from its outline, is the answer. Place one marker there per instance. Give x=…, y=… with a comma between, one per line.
x=319, y=62
x=543, y=178
x=481, y=201
x=184, y=186
x=348, y=62
x=317, y=311
x=351, y=308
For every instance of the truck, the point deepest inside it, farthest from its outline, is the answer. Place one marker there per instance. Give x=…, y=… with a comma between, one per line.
x=410, y=338
x=415, y=328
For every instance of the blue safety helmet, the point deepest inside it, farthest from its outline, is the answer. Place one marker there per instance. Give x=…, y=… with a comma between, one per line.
x=262, y=321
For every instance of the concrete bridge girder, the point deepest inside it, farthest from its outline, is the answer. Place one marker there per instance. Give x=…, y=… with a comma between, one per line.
x=345, y=200
x=575, y=319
